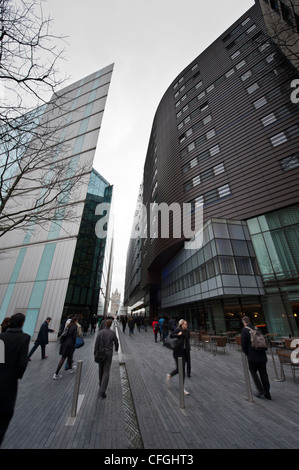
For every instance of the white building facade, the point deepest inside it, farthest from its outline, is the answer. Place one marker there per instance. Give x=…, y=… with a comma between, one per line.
x=36, y=263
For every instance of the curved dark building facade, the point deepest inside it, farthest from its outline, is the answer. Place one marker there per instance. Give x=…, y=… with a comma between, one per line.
x=225, y=139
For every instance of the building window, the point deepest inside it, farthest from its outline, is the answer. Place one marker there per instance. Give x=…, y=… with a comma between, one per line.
x=227, y=265
x=278, y=139
x=278, y=114
x=252, y=88
x=196, y=180
x=244, y=266
x=240, y=64
x=229, y=73
x=224, y=191
x=207, y=174
x=214, y=150
x=260, y=102
x=207, y=119
x=204, y=176
x=246, y=75
x=289, y=163
x=199, y=201
x=235, y=54
x=246, y=21
x=293, y=131
x=251, y=29
x=268, y=119
x=219, y=169
x=290, y=133
x=270, y=57
x=211, y=196
x=210, y=134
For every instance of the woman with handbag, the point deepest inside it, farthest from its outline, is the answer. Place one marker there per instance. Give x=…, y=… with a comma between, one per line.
x=181, y=333
x=67, y=348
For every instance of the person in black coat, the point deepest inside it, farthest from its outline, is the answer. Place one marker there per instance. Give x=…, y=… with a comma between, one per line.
x=67, y=348
x=257, y=361
x=16, y=344
x=183, y=335
x=42, y=339
x=104, y=342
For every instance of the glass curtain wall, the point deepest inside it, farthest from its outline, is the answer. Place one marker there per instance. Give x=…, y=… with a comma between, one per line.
x=275, y=237
x=86, y=274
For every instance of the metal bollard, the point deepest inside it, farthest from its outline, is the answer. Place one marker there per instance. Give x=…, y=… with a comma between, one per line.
x=181, y=382
x=246, y=375
x=76, y=389
x=276, y=378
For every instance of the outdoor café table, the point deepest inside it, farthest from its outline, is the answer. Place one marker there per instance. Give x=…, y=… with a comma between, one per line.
x=273, y=342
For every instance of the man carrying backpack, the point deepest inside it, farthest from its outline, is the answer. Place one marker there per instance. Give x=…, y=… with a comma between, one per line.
x=257, y=359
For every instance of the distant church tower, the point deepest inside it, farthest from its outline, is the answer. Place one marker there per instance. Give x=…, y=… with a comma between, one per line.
x=115, y=302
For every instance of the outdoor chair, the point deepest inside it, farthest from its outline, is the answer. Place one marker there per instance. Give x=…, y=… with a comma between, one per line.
x=285, y=358
x=238, y=342
x=219, y=343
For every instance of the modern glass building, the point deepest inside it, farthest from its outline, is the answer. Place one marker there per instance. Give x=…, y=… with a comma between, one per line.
x=60, y=266
x=225, y=140
x=90, y=273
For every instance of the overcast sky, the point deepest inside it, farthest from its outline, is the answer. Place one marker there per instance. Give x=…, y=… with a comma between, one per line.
x=150, y=42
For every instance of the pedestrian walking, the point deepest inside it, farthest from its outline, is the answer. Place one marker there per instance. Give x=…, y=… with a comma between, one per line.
x=172, y=324
x=131, y=325
x=85, y=326
x=161, y=321
x=104, y=342
x=79, y=335
x=257, y=361
x=124, y=323
x=156, y=329
x=165, y=329
x=4, y=324
x=42, y=339
x=180, y=351
x=16, y=345
x=67, y=347
x=93, y=324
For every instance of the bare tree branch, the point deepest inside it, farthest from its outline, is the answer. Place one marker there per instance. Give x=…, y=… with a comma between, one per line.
x=282, y=22
x=40, y=179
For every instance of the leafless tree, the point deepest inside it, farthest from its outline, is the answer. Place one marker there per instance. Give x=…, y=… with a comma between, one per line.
x=39, y=181
x=282, y=22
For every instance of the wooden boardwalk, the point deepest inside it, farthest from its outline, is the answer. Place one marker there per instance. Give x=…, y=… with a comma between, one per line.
x=217, y=413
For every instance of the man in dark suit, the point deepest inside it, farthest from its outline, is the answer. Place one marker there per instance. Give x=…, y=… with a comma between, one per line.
x=16, y=344
x=104, y=342
x=42, y=338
